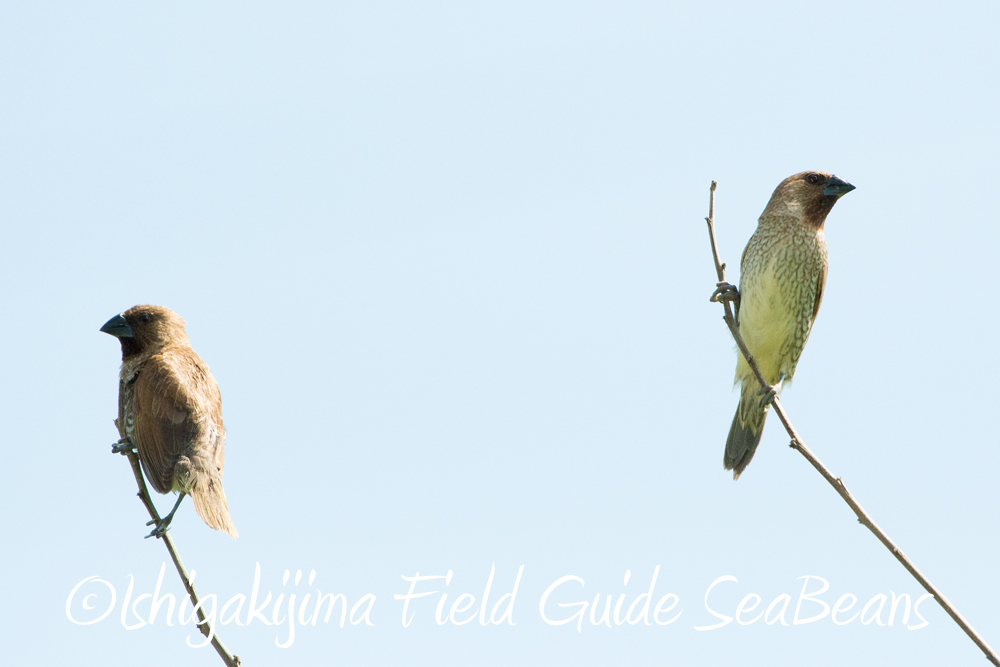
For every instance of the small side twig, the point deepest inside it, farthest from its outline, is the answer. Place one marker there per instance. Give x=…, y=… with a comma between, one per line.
x=837, y=483
x=203, y=624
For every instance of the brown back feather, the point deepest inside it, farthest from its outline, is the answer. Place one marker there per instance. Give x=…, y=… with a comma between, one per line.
x=176, y=403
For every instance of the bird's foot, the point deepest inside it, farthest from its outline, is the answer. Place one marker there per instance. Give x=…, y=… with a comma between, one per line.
x=123, y=447
x=725, y=292
x=768, y=394
x=162, y=526
x=771, y=392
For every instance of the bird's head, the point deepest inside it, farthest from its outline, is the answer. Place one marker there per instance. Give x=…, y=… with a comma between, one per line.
x=143, y=328
x=809, y=195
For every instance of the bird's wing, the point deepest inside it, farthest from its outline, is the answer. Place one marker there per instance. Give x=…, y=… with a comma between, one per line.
x=820, y=283
x=169, y=412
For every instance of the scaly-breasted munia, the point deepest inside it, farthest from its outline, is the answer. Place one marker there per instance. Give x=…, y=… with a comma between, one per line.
x=170, y=409
x=782, y=275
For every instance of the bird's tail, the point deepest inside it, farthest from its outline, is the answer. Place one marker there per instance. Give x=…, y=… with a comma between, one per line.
x=210, y=504
x=744, y=434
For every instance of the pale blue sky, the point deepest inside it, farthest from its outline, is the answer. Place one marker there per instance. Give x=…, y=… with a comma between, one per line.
x=448, y=265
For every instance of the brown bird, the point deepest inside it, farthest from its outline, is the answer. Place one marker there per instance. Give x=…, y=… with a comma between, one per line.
x=170, y=410
x=782, y=275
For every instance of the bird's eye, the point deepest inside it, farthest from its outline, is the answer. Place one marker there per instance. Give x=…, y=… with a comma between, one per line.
x=144, y=318
x=812, y=178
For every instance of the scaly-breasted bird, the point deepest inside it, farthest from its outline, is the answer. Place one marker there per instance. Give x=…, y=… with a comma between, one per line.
x=170, y=409
x=781, y=285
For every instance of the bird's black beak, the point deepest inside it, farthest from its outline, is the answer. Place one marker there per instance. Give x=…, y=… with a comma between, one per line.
x=837, y=187
x=117, y=327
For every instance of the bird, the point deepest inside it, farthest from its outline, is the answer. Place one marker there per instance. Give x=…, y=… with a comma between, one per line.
x=782, y=275
x=170, y=410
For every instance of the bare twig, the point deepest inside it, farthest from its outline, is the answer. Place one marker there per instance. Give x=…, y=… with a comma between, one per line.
x=835, y=482
x=203, y=624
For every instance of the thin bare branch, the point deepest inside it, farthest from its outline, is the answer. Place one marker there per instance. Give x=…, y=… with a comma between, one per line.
x=836, y=482
x=203, y=624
